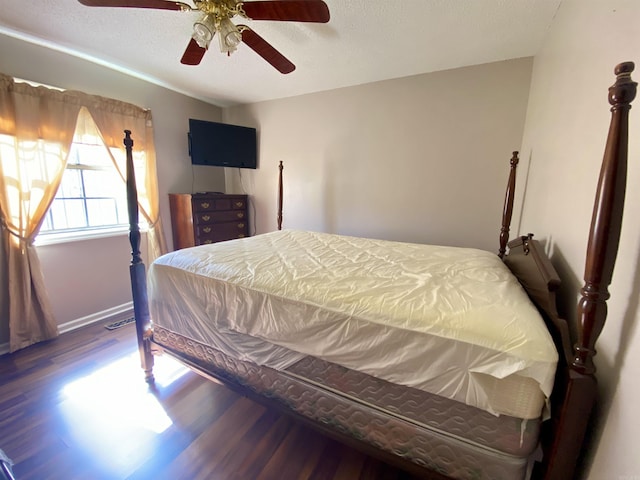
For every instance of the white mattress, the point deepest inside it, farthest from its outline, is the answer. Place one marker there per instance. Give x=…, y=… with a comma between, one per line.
x=451, y=321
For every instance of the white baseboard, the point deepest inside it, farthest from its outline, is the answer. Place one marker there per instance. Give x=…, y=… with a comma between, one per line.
x=108, y=314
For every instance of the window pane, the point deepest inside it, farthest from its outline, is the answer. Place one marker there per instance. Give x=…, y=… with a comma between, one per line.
x=102, y=212
x=46, y=223
x=100, y=183
x=68, y=213
x=71, y=185
x=122, y=208
x=73, y=158
x=93, y=155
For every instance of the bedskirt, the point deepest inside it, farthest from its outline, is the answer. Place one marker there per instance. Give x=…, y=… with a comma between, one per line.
x=446, y=436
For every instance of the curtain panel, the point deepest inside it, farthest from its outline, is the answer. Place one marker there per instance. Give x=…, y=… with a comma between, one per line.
x=112, y=118
x=37, y=127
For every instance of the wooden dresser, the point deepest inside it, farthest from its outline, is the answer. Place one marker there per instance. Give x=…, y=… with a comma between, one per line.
x=201, y=218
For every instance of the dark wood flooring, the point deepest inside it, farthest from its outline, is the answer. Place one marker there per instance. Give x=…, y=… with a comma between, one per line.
x=78, y=408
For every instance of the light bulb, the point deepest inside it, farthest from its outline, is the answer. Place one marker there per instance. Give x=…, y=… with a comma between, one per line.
x=203, y=31
x=230, y=37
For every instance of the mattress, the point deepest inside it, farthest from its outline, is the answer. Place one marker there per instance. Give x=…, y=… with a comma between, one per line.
x=449, y=321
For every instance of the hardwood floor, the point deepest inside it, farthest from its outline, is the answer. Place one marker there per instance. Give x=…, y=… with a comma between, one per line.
x=78, y=408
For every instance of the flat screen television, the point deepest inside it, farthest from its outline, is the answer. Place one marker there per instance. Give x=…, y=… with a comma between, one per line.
x=222, y=145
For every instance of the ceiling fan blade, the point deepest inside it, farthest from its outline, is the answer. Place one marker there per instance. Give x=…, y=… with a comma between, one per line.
x=288, y=10
x=158, y=4
x=193, y=54
x=266, y=51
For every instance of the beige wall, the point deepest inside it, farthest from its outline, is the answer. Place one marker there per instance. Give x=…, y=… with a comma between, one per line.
x=86, y=278
x=422, y=158
x=566, y=125
x=97, y=269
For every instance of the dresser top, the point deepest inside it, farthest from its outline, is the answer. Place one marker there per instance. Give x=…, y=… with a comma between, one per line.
x=210, y=194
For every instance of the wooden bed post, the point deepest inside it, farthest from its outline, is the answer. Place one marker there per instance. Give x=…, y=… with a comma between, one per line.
x=574, y=404
x=280, y=168
x=136, y=269
x=508, y=205
x=606, y=222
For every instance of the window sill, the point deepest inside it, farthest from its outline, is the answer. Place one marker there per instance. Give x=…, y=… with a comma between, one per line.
x=67, y=237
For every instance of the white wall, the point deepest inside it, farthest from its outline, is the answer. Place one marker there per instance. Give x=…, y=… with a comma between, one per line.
x=566, y=126
x=422, y=158
x=85, y=278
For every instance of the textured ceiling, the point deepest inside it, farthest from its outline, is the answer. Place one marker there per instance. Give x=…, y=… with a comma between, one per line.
x=365, y=41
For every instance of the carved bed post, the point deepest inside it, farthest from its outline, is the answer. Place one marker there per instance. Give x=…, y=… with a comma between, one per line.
x=280, y=168
x=136, y=269
x=508, y=205
x=571, y=407
x=606, y=222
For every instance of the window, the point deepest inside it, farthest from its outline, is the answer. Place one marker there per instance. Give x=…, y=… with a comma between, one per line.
x=92, y=194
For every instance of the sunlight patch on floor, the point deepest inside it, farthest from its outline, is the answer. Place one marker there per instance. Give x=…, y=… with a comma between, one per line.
x=113, y=414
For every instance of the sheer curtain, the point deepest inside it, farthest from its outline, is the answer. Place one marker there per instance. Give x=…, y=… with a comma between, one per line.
x=37, y=126
x=36, y=131
x=112, y=117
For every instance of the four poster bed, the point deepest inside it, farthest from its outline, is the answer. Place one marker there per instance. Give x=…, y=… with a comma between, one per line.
x=449, y=362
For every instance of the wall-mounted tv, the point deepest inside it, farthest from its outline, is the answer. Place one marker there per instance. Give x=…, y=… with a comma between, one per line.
x=222, y=145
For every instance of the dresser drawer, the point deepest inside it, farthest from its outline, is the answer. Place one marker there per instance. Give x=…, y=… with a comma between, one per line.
x=221, y=231
x=205, y=204
x=238, y=204
x=213, y=216
x=228, y=228
x=211, y=204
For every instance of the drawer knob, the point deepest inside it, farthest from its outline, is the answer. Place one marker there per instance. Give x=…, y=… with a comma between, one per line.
x=240, y=215
x=206, y=229
x=239, y=204
x=205, y=204
x=207, y=242
x=206, y=218
x=241, y=235
x=241, y=225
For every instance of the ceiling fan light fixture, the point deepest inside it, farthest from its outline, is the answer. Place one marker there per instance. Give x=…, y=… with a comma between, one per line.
x=217, y=15
x=229, y=36
x=204, y=30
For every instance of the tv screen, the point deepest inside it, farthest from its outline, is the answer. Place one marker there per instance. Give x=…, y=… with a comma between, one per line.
x=222, y=145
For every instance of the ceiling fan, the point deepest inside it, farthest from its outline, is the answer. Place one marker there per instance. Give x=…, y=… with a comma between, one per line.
x=216, y=17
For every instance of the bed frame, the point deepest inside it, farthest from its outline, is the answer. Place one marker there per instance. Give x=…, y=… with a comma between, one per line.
x=575, y=388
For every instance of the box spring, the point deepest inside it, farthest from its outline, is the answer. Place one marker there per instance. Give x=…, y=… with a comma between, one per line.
x=454, y=439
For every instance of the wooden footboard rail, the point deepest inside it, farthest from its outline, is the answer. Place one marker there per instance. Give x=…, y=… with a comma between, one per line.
x=575, y=389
